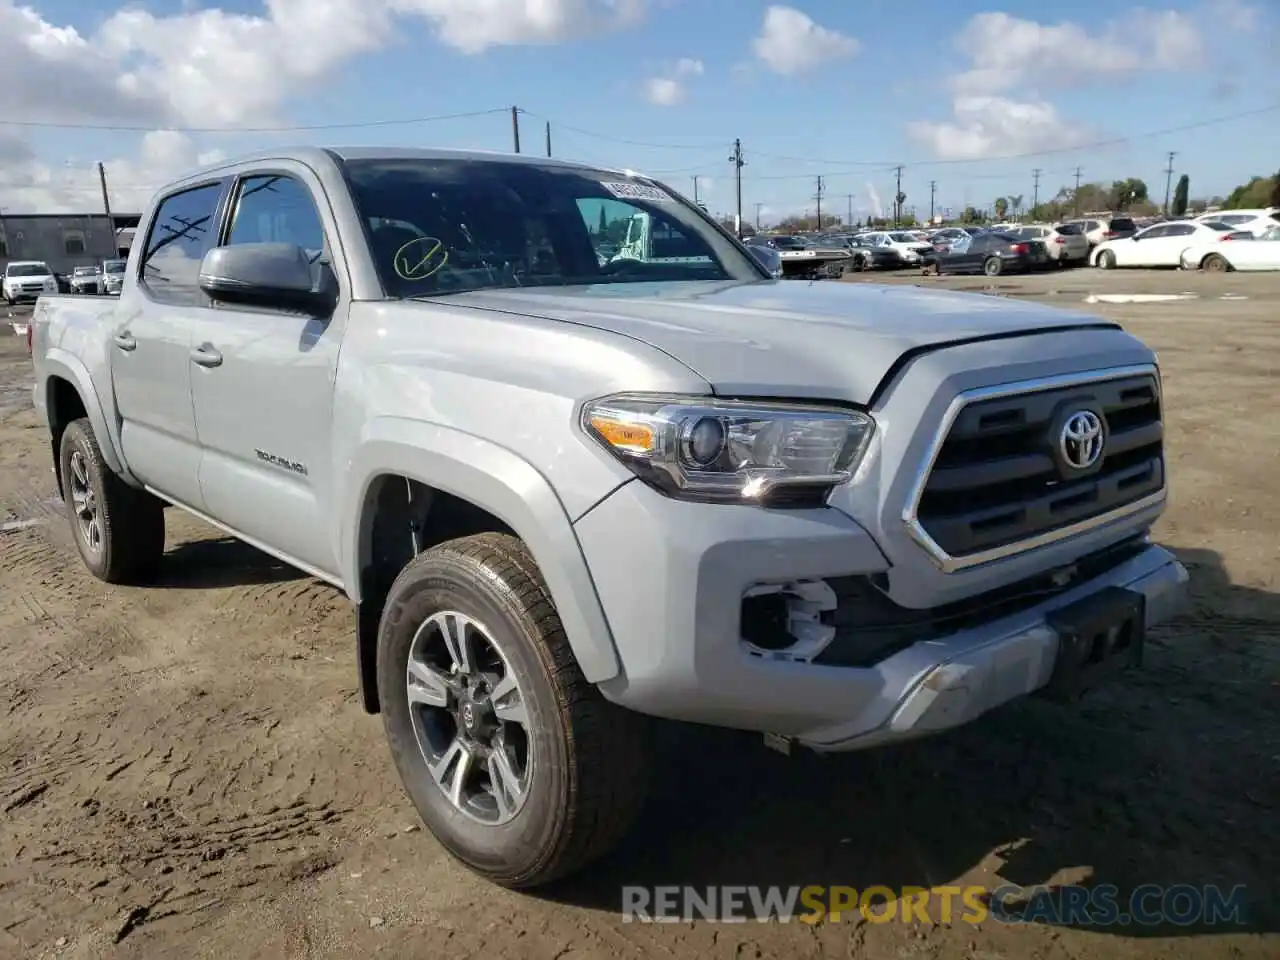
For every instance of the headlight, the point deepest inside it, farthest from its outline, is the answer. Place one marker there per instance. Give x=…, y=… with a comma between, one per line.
x=697, y=448
x=51, y=285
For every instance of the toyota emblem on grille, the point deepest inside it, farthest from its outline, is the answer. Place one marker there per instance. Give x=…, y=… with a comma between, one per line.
x=1081, y=440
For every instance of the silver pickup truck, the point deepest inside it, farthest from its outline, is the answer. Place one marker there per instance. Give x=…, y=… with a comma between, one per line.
x=567, y=493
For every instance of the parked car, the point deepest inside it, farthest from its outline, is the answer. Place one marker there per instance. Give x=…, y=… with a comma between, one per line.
x=564, y=496
x=113, y=276
x=992, y=254
x=1109, y=228
x=86, y=280
x=909, y=249
x=26, y=280
x=1066, y=243
x=1158, y=246
x=947, y=235
x=1235, y=251
x=1256, y=221
x=867, y=256
x=803, y=259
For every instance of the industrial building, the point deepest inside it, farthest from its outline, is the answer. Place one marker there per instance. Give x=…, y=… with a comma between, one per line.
x=65, y=240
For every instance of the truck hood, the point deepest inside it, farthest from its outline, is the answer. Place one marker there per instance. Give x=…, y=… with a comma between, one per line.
x=787, y=338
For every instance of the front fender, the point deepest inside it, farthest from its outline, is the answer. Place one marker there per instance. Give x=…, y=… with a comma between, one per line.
x=57, y=362
x=507, y=486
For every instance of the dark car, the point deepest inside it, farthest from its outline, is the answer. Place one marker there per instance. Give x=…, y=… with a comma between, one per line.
x=63, y=280
x=867, y=256
x=992, y=254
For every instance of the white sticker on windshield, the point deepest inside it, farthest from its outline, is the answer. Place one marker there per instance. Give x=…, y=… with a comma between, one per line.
x=637, y=191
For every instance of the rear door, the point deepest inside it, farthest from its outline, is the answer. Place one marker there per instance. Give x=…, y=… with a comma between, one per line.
x=151, y=344
x=263, y=390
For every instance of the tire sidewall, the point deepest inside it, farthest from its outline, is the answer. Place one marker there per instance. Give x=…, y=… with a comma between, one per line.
x=74, y=441
x=986, y=267
x=451, y=583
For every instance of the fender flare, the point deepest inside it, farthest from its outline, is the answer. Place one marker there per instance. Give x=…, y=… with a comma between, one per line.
x=506, y=485
x=61, y=363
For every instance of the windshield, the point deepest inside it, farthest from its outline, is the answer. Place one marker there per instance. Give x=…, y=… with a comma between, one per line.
x=84, y=271
x=1217, y=225
x=27, y=270
x=788, y=243
x=904, y=238
x=114, y=266
x=439, y=226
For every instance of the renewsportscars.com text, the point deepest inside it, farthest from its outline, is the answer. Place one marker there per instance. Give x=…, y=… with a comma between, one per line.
x=1104, y=905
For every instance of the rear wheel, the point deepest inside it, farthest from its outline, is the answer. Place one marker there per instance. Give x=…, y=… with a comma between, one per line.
x=119, y=530
x=1215, y=263
x=1107, y=260
x=516, y=763
x=992, y=267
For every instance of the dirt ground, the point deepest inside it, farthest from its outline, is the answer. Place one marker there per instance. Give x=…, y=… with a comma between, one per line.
x=185, y=770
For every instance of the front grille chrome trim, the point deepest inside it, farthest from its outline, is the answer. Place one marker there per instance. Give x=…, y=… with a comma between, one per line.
x=950, y=564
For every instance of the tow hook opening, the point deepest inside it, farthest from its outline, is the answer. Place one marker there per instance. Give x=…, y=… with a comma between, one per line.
x=793, y=621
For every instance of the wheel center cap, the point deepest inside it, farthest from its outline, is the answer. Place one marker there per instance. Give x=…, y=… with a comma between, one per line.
x=469, y=716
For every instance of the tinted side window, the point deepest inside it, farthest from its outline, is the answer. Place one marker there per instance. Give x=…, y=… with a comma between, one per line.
x=183, y=232
x=1123, y=224
x=1180, y=230
x=276, y=209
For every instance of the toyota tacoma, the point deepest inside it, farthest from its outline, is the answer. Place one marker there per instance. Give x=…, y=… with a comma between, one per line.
x=569, y=492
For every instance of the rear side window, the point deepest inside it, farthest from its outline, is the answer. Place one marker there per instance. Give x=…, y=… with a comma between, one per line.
x=1123, y=223
x=1070, y=229
x=184, y=230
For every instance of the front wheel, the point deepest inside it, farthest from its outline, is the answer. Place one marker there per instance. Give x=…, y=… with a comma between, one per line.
x=515, y=762
x=1107, y=260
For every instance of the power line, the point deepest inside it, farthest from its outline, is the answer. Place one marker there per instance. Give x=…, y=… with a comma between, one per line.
x=293, y=128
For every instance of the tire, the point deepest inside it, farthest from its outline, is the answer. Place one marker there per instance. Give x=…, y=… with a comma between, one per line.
x=129, y=523
x=992, y=266
x=1215, y=263
x=586, y=762
x=1106, y=260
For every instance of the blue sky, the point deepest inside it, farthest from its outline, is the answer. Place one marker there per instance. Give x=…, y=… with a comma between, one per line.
x=825, y=87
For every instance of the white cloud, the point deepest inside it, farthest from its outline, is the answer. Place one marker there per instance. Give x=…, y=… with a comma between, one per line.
x=215, y=68
x=1008, y=56
x=28, y=184
x=791, y=43
x=668, y=88
x=986, y=126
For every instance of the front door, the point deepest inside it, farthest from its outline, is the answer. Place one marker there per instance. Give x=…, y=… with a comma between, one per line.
x=262, y=383
x=150, y=345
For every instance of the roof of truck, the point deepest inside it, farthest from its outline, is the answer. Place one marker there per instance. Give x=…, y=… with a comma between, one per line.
x=323, y=156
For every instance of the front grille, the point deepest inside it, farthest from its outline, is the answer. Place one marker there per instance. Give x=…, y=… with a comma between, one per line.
x=1002, y=475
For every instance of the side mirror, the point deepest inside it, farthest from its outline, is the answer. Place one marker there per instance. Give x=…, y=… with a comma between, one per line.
x=768, y=258
x=268, y=275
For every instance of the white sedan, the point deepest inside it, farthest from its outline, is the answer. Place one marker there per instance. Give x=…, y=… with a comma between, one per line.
x=1160, y=245
x=1234, y=252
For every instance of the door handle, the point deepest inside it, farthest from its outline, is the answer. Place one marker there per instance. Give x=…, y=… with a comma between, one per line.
x=206, y=356
x=124, y=340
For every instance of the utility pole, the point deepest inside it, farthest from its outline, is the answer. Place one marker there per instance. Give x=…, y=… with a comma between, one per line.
x=738, y=164
x=1168, y=179
x=1077, y=196
x=818, y=197
x=106, y=197
x=849, y=198
x=897, y=192
x=1035, y=187
x=548, y=138
x=515, y=128
x=695, y=189
x=933, y=191
x=758, y=206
